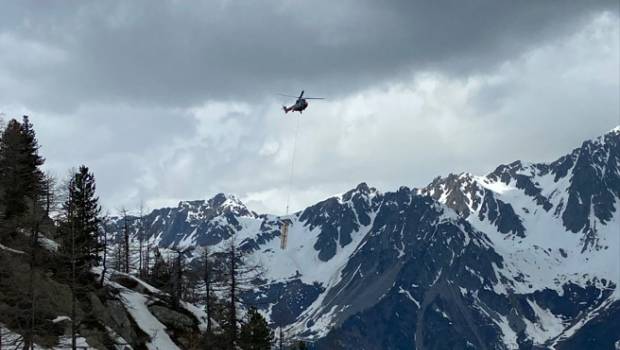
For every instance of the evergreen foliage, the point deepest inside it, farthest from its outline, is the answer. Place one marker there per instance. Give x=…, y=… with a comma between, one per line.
x=255, y=333
x=80, y=227
x=21, y=179
x=160, y=272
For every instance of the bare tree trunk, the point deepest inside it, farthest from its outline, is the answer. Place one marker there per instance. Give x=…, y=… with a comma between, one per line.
x=126, y=232
x=49, y=185
x=140, y=268
x=73, y=298
x=176, y=291
x=232, y=316
x=147, y=259
x=119, y=256
x=240, y=276
x=281, y=339
x=28, y=341
x=140, y=239
x=207, y=280
x=105, y=253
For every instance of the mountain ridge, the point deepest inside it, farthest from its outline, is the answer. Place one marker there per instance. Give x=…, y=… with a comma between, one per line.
x=524, y=256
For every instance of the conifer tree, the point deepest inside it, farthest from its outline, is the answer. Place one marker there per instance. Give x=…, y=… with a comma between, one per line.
x=255, y=333
x=80, y=230
x=21, y=179
x=160, y=273
x=82, y=219
x=34, y=177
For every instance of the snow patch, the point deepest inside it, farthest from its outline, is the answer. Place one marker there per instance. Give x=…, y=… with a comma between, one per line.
x=136, y=305
x=61, y=318
x=11, y=250
x=406, y=292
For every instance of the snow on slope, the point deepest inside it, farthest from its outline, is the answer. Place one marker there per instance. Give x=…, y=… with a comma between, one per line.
x=136, y=305
x=540, y=252
x=548, y=254
x=301, y=258
x=11, y=250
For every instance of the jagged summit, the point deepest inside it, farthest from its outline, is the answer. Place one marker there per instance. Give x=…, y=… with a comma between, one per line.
x=579, y=188
x=219, y=204
x=363, y=188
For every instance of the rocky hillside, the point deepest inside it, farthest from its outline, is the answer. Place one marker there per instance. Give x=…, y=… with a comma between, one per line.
x=125, y=313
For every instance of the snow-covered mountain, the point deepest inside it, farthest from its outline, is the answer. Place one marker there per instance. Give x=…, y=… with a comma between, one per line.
x=527, y=256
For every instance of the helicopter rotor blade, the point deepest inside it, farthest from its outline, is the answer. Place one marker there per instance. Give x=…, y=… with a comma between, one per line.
x=302, y=96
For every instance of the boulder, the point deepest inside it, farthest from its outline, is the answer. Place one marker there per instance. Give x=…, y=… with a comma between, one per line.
x=172, y=319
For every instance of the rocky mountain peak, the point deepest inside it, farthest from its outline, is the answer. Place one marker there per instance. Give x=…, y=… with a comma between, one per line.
x=219, y=204
x=191, y=204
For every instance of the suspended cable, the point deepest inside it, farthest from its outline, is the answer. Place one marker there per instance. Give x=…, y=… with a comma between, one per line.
x=284, y=233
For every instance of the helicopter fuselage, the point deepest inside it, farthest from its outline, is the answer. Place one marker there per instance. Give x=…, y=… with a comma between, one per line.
x=299, y=106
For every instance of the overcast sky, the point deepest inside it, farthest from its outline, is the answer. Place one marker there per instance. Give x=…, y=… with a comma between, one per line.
x=177, y=100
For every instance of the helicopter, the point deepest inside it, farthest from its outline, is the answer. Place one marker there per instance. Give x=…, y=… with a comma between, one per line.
x=300, y=104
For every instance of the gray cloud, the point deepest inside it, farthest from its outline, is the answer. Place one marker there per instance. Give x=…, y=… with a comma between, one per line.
x=177, y=54
x=174, y=101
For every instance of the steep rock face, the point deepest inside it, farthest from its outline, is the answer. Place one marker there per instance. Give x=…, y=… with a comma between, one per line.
x=288, y=299
x=599, y=333
x=402, y=274
x=465, y=195
x=595, y=183
x=581, y=188
x=338, y=218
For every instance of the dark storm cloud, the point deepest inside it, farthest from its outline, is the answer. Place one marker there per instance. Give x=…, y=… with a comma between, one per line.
x=176, y=100
x=177, y=53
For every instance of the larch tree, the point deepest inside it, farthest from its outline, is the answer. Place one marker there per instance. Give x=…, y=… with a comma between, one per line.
x=208, y=282
x=240, y=276
x=141, y=241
